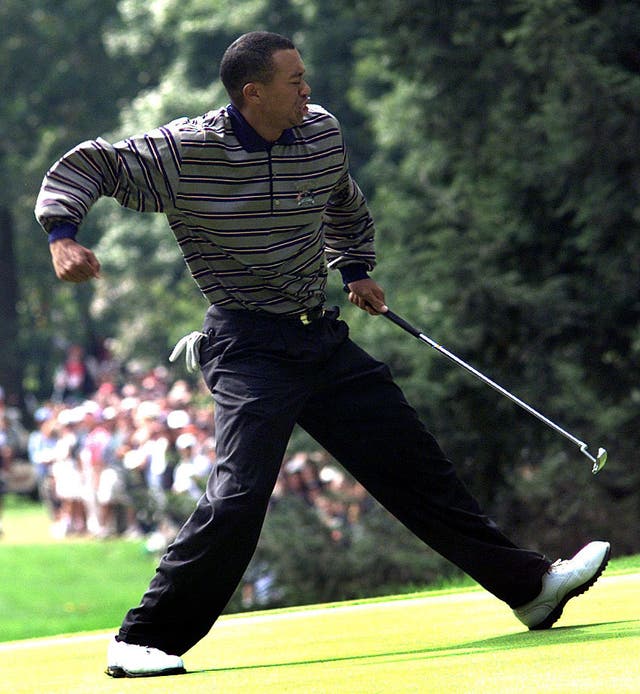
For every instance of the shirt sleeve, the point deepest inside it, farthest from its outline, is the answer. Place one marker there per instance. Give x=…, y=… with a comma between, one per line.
x=348, y=226
x=141, y=173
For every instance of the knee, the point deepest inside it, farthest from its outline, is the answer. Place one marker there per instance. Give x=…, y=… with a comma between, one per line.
x=232, y=497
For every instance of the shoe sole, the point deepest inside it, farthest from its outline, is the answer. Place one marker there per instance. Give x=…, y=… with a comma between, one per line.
x=556, y=613
x=118, y=672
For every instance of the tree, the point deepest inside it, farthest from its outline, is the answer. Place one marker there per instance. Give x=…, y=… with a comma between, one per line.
x=11, y=378
x=509, y=186
x=53, y=61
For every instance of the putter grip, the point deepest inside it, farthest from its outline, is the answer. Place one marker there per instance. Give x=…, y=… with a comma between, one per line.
x=395, y=318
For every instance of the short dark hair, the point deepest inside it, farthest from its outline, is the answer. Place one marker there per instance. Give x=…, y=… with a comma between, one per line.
x=250, y=59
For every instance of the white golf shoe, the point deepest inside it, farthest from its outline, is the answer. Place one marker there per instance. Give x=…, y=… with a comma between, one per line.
x=564, y=580
x=129, y=660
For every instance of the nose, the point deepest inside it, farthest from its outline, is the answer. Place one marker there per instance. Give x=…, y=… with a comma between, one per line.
x=305, y=89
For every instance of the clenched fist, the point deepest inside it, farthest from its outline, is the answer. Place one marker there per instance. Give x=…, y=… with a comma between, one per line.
x=73, y=262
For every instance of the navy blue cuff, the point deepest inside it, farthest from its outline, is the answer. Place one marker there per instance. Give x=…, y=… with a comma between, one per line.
x=64, y=230
x=353, y=272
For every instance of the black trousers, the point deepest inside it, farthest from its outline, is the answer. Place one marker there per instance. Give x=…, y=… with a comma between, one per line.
x=266, y=374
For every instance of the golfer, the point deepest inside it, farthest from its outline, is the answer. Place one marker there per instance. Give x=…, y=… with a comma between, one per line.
x=259, y=197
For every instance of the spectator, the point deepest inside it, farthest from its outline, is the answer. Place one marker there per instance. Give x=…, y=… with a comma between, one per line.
x=117, y=512
x=132, y=461
x=13, y=442
x=5, y=460
x=41, y=450
x=67, y=476
x=152, y=438
x=107, y=368
x=185, y=477
x=93, y=443
x=196, y=461
x=73, y=382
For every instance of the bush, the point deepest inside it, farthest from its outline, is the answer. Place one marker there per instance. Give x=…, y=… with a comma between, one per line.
x=299, y=560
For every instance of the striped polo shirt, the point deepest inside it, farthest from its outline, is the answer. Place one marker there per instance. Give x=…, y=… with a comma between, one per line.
x=258, y=223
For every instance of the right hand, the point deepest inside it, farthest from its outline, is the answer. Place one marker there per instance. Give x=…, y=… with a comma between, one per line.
x=367, y=295
x=73, y=262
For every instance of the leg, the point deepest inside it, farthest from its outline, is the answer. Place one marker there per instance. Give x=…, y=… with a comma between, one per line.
x=260, y=371
x=362, y=418
x=201, y=569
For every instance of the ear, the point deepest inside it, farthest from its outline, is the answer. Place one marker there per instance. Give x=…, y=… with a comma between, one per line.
x=251, y=93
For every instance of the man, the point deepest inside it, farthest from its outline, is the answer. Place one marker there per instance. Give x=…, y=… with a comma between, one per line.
x=259, y=197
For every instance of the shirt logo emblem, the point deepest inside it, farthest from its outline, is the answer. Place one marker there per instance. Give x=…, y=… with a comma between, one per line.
x=305, y=198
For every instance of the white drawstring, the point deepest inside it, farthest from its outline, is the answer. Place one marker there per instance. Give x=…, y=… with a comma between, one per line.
x=190, y=343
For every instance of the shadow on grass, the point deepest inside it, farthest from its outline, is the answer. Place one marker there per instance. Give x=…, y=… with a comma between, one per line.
x=529, y=639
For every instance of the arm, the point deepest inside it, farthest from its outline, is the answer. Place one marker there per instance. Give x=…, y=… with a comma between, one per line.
x=352, y=250
x=349, y=237
x=349, y=228
x=140, y=173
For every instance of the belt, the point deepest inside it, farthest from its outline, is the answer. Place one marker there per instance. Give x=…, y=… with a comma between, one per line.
x=311, y=315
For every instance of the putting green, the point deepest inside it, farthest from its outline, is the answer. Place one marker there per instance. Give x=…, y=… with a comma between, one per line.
x=465, y=641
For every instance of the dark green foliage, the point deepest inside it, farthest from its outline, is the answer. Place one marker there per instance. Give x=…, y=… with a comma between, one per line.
x=508, y=204
x=60, y=85
x=375, y=556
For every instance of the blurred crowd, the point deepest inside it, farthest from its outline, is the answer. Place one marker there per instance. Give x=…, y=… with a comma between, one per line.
x=129, y=456
x=107, y=464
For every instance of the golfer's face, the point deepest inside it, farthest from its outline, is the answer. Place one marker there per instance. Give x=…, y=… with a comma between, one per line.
x=286, y=96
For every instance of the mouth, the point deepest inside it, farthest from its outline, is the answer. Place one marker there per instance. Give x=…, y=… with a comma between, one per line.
x=302, y=110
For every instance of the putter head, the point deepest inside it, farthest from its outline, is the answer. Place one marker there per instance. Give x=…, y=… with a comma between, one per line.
x=600, y=461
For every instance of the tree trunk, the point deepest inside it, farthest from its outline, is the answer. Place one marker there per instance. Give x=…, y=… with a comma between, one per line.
x=11, y=368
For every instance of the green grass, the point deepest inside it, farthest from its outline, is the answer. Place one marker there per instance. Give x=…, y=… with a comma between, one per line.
x=454, y=640
x=51, y=587
x=24, y=521
x=54, y=589
x=462, y=642
x=58, y=587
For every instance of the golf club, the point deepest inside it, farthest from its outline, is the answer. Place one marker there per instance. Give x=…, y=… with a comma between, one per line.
x=598, y=461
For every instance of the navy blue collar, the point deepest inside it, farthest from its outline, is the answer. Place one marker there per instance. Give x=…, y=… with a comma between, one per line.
x=249, y=138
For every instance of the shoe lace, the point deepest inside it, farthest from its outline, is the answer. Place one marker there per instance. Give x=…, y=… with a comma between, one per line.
x=189, y=344
x=557, y=564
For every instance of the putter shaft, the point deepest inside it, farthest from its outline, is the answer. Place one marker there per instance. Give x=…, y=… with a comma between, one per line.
x=598, y=461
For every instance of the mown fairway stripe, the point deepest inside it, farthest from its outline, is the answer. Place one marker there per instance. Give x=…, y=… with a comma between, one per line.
x=473, y=595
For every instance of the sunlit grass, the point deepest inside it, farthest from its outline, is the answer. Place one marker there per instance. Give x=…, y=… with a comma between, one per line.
x=465, y=642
